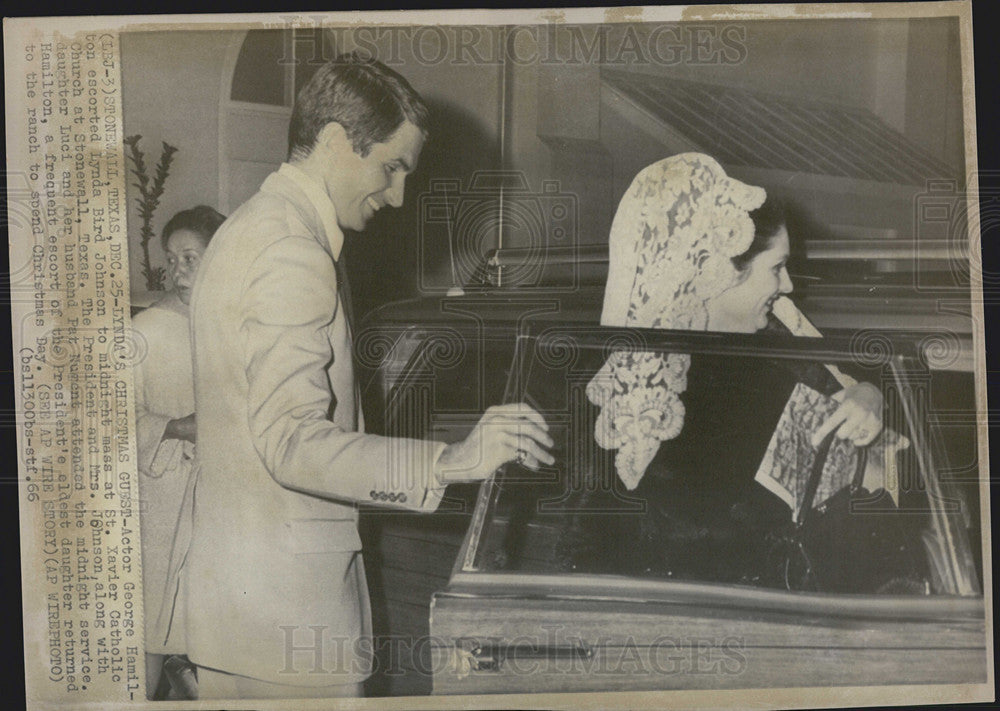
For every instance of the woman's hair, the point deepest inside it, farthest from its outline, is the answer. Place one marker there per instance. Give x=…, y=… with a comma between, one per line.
x=202, y=220
x=363, y=95
x=767, y=220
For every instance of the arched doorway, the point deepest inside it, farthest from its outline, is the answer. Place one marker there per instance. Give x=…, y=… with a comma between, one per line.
x=263, y=71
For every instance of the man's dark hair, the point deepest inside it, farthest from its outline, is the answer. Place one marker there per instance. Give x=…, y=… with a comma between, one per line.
x=767, y=220
x=363, y=95
x=202, y=220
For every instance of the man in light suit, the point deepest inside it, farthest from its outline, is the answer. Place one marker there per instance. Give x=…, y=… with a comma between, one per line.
x=272, y=594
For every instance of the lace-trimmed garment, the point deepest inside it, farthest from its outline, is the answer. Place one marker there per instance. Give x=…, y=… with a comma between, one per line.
x=672, y=241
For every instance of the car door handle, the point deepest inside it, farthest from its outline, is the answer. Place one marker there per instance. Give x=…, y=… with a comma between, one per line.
x=490, y=657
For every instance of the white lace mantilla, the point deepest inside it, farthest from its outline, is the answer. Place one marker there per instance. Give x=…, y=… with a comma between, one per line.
x=671, y=244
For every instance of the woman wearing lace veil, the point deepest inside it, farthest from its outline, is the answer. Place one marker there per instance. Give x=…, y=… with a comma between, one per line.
x=691, y=248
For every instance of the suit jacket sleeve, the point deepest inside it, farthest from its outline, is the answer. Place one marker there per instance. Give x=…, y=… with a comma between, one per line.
x=289, y=299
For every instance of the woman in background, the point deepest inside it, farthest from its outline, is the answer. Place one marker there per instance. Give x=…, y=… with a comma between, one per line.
x=164, y=387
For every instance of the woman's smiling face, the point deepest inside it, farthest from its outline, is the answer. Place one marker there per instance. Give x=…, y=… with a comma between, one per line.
x=744, y=307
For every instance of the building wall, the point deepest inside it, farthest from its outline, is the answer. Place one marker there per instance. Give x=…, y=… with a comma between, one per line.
x=171, y=94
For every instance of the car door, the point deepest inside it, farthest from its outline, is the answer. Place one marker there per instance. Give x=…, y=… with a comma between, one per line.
x=518, y=615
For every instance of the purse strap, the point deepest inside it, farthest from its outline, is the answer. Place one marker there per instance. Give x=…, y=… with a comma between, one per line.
x=819, y=463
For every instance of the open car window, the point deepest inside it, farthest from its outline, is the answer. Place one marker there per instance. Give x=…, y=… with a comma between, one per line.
x=739, y=496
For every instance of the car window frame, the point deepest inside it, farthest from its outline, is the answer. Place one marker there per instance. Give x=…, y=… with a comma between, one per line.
x=962, y=591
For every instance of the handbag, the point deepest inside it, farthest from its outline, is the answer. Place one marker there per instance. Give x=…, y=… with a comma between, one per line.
x=854, y=542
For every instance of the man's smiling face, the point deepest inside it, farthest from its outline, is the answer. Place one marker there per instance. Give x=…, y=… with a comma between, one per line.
x=358, y=185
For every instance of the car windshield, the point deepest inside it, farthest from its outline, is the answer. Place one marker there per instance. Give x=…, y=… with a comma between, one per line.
x=719, y=480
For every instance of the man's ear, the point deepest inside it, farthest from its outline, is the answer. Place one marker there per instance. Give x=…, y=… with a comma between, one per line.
x=334, y=137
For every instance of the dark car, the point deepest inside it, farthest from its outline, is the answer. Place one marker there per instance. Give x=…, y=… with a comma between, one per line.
x=481, y=598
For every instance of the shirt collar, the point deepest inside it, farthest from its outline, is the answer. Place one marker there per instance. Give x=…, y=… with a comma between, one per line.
x=316, y=194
